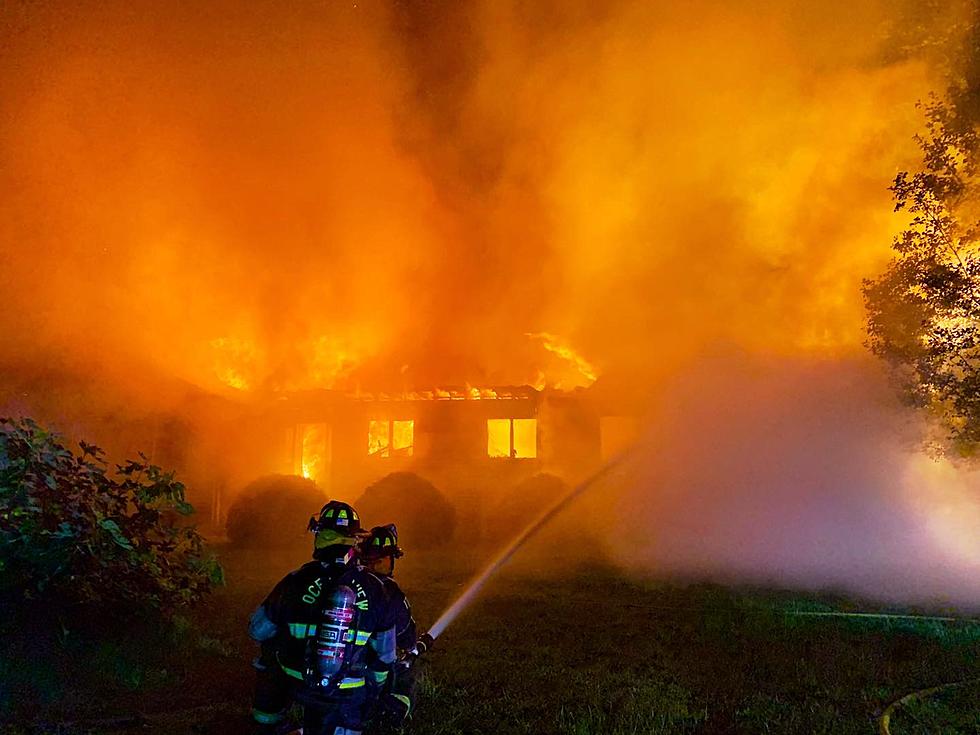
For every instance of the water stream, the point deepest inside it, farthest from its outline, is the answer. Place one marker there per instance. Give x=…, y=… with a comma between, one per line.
x=474, y=587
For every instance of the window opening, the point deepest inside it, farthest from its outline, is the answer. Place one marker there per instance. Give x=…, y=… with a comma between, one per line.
x=314, y=450
x=388, y=438
x=514, y=438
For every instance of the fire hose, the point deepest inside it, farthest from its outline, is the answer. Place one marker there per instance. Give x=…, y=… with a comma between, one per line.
x=884, y=722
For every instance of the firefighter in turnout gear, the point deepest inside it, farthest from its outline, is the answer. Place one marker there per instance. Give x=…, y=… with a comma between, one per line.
x=379, y=550
x=327, y=635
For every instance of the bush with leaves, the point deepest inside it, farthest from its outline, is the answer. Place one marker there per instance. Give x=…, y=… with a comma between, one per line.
x=74, y=536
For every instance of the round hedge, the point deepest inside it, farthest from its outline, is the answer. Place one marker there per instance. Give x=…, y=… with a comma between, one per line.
x=425, y=518
x=523, y=503
x=572, y=537
x=273, y=512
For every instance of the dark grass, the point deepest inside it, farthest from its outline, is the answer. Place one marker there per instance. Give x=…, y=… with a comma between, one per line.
x=956, y=709
x=589, y=651
x=597, y=653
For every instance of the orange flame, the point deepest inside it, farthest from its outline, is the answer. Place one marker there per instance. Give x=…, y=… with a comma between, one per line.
x=560, y=347
x=313, y=450
x=234, y=361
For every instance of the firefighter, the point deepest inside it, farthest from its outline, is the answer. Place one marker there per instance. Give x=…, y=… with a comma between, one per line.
x=327, y=635
x=378, y=552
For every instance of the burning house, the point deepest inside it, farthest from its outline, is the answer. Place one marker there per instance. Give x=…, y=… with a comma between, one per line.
x=472, y=443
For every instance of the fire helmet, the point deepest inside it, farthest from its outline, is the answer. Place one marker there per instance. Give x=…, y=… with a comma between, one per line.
x=337, y=524
x=382, y=541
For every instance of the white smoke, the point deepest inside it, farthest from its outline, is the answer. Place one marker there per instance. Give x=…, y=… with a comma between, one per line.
x=805, y=475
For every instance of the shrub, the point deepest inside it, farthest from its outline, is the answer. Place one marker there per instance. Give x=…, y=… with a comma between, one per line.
x=73, y=536
x=273, y=512
x=523, y=503
x=566, y=538
x=425, y=518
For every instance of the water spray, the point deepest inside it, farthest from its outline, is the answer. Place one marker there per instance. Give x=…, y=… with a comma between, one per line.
x=474, y=587
x=477, y=583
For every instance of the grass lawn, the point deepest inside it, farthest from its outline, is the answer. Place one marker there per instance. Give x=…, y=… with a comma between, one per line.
x=587, y=651
x=955, y=709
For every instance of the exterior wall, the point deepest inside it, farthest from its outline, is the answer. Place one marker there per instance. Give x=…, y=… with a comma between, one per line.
x=450, y=443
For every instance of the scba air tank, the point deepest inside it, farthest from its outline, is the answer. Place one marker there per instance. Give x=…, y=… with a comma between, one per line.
x=334, y=632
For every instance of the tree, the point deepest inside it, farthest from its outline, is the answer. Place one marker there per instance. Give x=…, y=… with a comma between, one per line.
x=924, y=310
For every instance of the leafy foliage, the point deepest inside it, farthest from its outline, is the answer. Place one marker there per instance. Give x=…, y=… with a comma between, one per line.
x=73, y=536
x=924, y=311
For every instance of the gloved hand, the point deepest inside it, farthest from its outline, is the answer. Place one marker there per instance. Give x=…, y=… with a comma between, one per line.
x=424, y=643
x=267, y=657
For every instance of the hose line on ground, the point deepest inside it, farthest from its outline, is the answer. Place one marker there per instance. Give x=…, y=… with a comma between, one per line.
x=884, y=722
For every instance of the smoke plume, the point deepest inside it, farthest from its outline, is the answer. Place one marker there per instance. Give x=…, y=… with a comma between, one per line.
x=327, y=194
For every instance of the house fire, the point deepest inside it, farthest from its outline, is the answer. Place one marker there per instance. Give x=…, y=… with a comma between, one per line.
x=472, y=443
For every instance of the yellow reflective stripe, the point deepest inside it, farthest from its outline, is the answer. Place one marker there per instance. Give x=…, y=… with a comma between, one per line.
x=379, y=676
x=348, y=683
x=302, y=630
x=308, y=630
x=362, y=637
x=404, y=700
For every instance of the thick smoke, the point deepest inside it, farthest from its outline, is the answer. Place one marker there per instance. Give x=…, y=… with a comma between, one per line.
x=332, y=194
x=672, y=174
x=209, y=191
x=799, y=473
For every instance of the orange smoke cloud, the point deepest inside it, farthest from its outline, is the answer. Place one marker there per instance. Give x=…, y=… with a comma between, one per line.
x=316, y=196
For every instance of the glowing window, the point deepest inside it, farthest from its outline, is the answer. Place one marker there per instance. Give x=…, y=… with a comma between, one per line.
x=498, y=437
x=525, y=438
x=313, y=450
x=403, y=438
x=391, y=438
x=378, y=438
x=516, y=438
